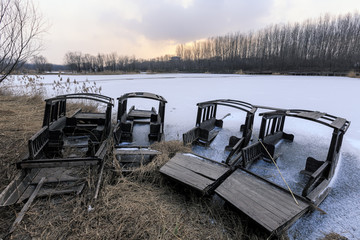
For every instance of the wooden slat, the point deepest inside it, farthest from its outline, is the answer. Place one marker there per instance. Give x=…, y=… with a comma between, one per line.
x=283, y=202
x=338, y=123
x=201, y=166
x=268, y=205
x=194, y=171
x=319, y=193
x=144, y=151
x=82, y=115
x=26, y=206
x=141, y=113
x=245, y=204
x=50, y=163
x=55, y=175
x=186, y=176
x=312, y=115
x=16, y=188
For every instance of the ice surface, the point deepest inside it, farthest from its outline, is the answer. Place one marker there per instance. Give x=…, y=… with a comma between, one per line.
x=335, y=95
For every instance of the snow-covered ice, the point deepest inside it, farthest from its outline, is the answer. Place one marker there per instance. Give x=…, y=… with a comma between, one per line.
x=334, y=95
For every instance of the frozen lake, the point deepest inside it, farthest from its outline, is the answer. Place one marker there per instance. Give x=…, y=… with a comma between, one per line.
x=334, y=95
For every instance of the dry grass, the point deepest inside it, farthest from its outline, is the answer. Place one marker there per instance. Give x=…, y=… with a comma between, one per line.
x=334, y=236
x=142, y=205
x=150, y=172
x=352, y=74
x=20, y=118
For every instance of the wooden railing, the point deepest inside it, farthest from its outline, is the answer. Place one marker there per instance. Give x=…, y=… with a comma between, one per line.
x=190, y=136
x=252, y=153
x=38, y=142
x=315, y=178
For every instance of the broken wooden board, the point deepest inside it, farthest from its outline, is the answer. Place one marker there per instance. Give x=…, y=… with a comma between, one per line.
x=193, y=170
x=21, y=215
x=269, y=205
x=17, y=187
x=58, y=181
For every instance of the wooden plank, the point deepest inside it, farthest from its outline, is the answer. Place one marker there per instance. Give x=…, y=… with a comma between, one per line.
x=338, y=123
x=186, y=176
x=251, y=195
x=194, y=171
x=281, y=198
x=15, y=189
x=210, y=169
x=274, y=201
x=143, y=151
x=245, y=205
x=26, y=206
x=82, y=115
x=51, y=191
x=319, y=193
x=268, y=205
x=59, y=163
x=99, y=180
x=55, y=175
x=141, y=113
x=313, y=115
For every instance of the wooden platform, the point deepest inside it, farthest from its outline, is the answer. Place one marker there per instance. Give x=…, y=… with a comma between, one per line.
x=269, y=205
x=193, y=170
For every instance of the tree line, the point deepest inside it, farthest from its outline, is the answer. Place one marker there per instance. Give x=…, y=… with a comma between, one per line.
x=326, y=44
x=79, y=62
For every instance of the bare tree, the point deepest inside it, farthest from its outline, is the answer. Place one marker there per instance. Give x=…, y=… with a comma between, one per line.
x=20, y=29
x=41, y=64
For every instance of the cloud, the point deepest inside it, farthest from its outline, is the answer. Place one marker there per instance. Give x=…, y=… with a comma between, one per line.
x=153, y=28
x=187, y=20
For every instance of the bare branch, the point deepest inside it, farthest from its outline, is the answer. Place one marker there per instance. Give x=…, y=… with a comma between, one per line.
x=20, y=30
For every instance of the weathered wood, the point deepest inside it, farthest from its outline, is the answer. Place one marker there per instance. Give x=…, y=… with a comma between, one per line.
x=90, y=116
x=312, y=115
x=27, y=205
x=99, y=180
x=55, y=175
x=52, y=190
x=252, y=153
x=315, y=177
x=131, y=117
x=140, y=151
x=140, y=113
x=48, y=148
x=338, y=123
x=186, y=176
x=319, y=193
x=193, y=170
x=37, y=142
x=270, y=206
x=50, y=163
x=16, y=188
x=190, y=136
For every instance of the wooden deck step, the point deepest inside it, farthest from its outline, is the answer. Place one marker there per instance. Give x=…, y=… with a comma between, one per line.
x=193, y=170
x=269, y=205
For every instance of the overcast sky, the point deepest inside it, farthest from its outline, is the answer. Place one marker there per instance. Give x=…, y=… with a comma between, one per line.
x=152, y=28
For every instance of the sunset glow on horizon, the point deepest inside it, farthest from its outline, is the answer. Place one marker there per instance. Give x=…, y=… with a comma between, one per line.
x=149, y=29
